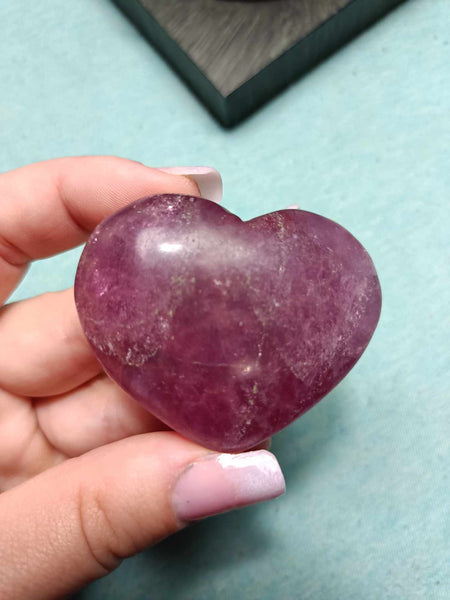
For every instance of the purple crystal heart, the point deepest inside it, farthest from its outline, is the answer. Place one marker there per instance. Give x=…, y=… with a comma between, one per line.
x=226, y=330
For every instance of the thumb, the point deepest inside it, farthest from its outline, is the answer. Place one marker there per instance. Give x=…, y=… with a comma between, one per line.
x=75, y=522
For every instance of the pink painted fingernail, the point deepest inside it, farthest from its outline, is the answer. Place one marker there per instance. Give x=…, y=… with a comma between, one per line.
x=221, y=482
x=208, y=180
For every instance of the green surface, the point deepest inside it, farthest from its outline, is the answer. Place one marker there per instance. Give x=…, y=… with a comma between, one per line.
x=364, y=139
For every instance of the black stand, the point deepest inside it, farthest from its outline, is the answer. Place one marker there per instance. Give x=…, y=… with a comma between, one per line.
x=237, y=54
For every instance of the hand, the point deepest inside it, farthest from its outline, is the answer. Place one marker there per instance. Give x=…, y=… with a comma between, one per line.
x=91, y=477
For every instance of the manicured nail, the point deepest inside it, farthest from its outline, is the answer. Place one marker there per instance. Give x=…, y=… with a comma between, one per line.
x=208, y=180
x=221, y=482
x=293, y=207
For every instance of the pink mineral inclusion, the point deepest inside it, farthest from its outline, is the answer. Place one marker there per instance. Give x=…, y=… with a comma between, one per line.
x=226, y=330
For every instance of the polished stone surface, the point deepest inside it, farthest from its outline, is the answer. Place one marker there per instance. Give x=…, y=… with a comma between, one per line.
x=226, y=330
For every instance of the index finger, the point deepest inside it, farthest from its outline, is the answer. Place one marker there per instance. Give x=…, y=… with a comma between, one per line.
x=51, y=206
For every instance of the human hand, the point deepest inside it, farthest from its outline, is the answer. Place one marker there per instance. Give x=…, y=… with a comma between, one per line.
x=88, y=476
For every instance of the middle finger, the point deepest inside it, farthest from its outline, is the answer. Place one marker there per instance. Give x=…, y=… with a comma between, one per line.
x=97, y=413
x=44, y=350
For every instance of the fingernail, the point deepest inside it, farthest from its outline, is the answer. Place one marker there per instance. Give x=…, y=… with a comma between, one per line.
x=208, y=180
x=221, y=482
x=293, y=207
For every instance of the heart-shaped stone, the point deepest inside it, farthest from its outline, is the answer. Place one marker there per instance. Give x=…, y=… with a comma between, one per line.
x=226, y=330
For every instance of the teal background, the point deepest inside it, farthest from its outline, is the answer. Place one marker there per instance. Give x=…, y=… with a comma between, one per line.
x=363, y=139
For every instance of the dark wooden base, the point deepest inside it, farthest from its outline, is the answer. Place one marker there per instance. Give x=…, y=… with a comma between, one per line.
x=238, y=54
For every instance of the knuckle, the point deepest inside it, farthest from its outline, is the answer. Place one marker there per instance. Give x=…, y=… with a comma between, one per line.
x=97, y=532
x=106, y=541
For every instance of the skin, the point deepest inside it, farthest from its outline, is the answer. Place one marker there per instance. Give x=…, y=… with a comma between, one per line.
x=71, y=442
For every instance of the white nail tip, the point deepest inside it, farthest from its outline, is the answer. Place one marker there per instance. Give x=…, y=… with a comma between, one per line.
x=208, y=180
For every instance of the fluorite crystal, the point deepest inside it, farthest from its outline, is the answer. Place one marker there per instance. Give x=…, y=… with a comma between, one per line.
x=226, y=330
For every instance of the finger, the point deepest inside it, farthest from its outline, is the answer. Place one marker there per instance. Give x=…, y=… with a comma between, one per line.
x=51, y=206
x=43, y=350
x=24, y=449
x=75, y=523
x=95, y=414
